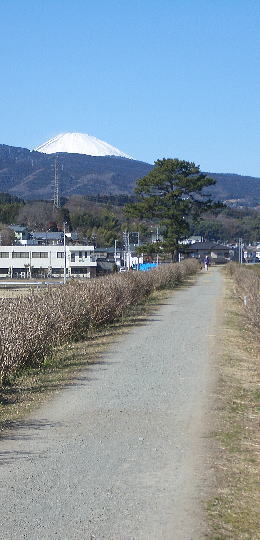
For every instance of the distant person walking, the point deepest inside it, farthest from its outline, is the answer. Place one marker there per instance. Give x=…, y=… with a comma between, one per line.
x=206, y=263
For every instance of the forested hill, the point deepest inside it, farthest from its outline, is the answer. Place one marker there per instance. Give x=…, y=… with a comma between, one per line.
x=30, y=175
x=235, y=188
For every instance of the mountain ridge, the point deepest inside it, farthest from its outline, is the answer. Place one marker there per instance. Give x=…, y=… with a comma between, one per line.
x=29, y=174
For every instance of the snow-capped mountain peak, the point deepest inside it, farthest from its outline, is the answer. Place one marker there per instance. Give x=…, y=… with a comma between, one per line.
x=79, y=143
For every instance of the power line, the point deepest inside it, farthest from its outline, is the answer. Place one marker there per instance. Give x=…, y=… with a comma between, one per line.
x=56, y=191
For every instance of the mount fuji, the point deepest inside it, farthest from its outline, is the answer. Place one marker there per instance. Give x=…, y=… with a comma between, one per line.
x=29, y=174
x=79, y=143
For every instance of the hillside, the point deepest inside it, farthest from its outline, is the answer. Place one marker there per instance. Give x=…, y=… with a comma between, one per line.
x=30, y=175
x=236, y=189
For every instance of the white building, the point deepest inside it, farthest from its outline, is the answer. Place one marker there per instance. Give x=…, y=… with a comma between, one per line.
x=252, y=253
x=191, y=240
x=47, y=261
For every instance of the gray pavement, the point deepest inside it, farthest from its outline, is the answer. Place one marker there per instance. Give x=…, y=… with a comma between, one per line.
x=122, y=453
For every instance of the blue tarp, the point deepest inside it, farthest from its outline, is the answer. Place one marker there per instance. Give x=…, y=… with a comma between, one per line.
x=147, y=266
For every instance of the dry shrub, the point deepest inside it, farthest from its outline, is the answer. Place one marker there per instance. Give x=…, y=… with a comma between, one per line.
x=32, y=326
x=247, y=289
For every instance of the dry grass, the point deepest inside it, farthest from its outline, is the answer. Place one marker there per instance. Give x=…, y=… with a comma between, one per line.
x=34, y=325
x=254, y=268
x=234, y=510
x=12, y=292
x=34, y=386
x=247, y=289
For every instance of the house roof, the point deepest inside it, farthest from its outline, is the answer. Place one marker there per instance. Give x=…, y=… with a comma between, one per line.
x=48, y=235
x=208, y=246
x=251, y=248
x=18, y=228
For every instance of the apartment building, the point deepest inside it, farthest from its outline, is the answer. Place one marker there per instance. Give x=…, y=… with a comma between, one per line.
x=25, y=261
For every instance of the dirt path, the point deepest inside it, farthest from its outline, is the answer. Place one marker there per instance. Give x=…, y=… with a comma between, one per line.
x=120, y=454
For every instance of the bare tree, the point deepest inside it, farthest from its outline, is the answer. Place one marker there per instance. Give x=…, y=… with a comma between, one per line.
x=7, y=236
x=36, y=215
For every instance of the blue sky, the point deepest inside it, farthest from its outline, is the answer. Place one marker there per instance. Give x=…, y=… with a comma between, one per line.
x=168, y=78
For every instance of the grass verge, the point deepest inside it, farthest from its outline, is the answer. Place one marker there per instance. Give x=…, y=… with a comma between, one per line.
x=234, y=509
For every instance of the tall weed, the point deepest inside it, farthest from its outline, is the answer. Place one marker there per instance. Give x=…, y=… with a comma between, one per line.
x=247, y=289
x=32, y=326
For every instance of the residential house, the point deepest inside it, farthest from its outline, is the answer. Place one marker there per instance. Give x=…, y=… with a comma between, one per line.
x=21, y=233
x=192, y=240
x=46, y=238
x=107, y=257
x=252, y=253
x=218, y=253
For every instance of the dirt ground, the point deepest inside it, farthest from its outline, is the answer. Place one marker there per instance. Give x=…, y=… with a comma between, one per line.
x=120, y=452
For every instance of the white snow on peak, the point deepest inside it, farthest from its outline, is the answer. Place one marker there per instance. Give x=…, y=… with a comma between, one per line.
x=79, y=143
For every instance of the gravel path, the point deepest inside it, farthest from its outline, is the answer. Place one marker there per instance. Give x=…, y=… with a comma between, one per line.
x=121, y=454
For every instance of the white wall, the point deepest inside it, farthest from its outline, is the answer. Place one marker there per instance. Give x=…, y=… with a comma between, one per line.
x=45, y=257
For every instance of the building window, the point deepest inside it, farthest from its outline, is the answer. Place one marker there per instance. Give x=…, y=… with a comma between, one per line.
x=40, y=255
x=80, y=270
x=60, y=255
x=72, y=257
x=59, y=271
x=4, y=255
x=80, y=254
x=20, y=255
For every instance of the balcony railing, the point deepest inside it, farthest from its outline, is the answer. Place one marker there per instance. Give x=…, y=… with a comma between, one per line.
x=83, y=260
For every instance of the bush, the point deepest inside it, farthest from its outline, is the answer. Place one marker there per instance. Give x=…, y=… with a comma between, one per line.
x=247, y=288
x=33, y=326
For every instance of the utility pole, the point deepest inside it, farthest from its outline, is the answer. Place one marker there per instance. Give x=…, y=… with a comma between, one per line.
x=240, y=251
x=115, y=251
x=126, y=249
x=128, y=252
x=138, y=244
x=157, y=240
x=64, y=253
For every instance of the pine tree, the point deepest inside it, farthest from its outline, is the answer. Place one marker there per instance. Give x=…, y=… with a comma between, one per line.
x=173, y=195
